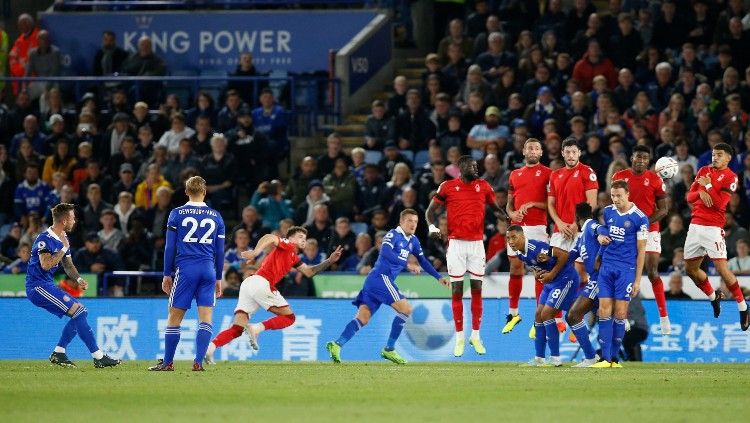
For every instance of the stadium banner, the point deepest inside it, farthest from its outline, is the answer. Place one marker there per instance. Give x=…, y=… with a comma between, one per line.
x=15, y=285
x=133, y=329
x=293, y=41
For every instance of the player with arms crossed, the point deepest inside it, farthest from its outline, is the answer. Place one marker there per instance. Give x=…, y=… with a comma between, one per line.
x=647, y=191
x=709, y=194
x=575, y=183
x=465, y=199
x=380, y=286
x=551, y=267
x=51, y=249
x=622, y=263
x=259, y=290
x=587, y=249
x=527, y=207
x=193, y=264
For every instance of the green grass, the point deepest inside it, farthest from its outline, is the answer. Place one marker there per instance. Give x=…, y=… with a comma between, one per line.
x=353, y=392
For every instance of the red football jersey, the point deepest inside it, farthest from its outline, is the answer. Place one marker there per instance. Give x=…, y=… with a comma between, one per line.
x=529, y=184
x=465, y=204
x=724, y=183
x=645, y=189
x=279, y=262
x=569, y=187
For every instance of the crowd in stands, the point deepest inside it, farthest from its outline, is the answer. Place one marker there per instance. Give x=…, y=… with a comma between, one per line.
x=672, y=75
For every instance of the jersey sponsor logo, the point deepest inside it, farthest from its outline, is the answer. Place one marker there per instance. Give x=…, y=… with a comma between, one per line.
x=404, y=254
x=616, y=230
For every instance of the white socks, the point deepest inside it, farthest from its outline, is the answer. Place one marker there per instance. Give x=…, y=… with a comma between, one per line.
x=98, y=354
x=474, y=334
x=742, y=306
x=460, y=335
x=60, y=350
x=513, y=311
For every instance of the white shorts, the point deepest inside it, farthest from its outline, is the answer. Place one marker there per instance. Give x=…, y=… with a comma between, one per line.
x=255, y=292
x=537, y=233
x=653, y=242
x=559, y=241
x=465, y=256
x=705, y=240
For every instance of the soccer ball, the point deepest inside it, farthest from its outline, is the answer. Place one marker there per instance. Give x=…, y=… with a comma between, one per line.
x=666, y=167
x=430, y=326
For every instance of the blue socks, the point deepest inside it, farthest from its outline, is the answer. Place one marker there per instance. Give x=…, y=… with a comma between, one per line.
x=171, y=339
x=553, y=337
x=202, y=338
x=396, y=327
x=605, y=337
x=540, y=342
x=618, y=333
x=349, y=331
x=83, y=329
x=68, y=333
x=582, y=334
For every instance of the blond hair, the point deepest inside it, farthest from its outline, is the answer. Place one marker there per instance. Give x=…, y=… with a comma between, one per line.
x=195, y=185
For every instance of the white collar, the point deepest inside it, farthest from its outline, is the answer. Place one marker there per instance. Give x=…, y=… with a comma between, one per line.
x=196, y=204
x=52, y=233
x=400, y=230
x=630, y=210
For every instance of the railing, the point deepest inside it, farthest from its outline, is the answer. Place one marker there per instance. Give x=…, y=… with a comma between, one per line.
x=311, y=101
x=117, y=5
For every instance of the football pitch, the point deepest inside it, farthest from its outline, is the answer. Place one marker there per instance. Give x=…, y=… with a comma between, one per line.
x=367, y=391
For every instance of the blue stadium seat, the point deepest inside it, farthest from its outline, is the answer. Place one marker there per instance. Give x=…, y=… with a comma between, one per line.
x=408, y=154
x=5, y=229
x=359, y=227
x=421, y=158
x=373, y=157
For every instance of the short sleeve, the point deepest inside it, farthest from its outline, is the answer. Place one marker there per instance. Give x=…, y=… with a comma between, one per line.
x=285, y=244
x=511, y=189
x=591, y=181
x=42, y=246
x=660, y=188
x=474, y=130
x=551, y=187
x=440, y=196
x=489, y=196
x=642, y=228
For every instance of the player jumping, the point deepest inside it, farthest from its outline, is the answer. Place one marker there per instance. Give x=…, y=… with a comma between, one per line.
x=380, y=286
x=551, y=267
x=647, y=191
x=622, y=266
x=527, y=207
x=709, y=194
x=465, y=199
x=259, y=290
x=194, y=256
x=51, y=249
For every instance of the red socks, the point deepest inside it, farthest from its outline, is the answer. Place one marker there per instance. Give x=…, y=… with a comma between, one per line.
x=538, y=287
x=515, y=285
x=476, y=308
x=661, y=300
x=457, y=304
x=279, y=322
x=226, y=336
x=706, y=287
x=736, y=292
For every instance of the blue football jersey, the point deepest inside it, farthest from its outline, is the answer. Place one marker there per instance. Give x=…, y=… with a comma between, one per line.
x=587, y=247
x=199, y=237
x=625, y=230
x=394, y=254
x=530, y=258
x=45, y=242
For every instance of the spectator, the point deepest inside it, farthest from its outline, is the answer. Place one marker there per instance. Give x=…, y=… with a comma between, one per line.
x=303, y=215
x=125, y=210
x=178, y=131
x=33, y=228
x=251, y=222
x=413, y=128
x=202, y=138
x=231, y=285
x=341, y=187
x=400, y=180
x=4, y=41
x=358, y=164
x=378, y=128
x=408, y=200
x=299, y=184
x=495, y=60
x=489, y=132
x=9, y=244
x=155, y=220
x=627, y=89
x=455, y=36
x=593, y=63
x=533, y=82
x=397, y=102
x=185, y=158
x=251, y=148
x=497, y=257
x=639, y=329
x=642, y=113
x=145, y=63
x=233, y=258
x=62, y=161
x=342, y=236
x=672, y=237
x=271, y=120
x=44, y=60
x=246, y=89
x=430, y=181
x=362, y=245
x=94, y=206
x=93, y=258
x=454, y=136
x=592, y=31
x=271, y=204
x=474, y=84
x=454, y=72
x=110, y=236
x=481, y=42
x=545, y=107
x=145, y=192
x=204, y=106
x=113, y=137
x=334, y=151
x=740, y=264
x=300, y=285
x=320, y=228
x=32, y=133
x=683, y=157
x=128, y=154
x=19, y=265
x=680, y=190
x=494, y=174
x=219, y=170
x=136, y=250
x=110, y=57
x=370, y=257
x=370, y=191
x=675, y=291
x=94, y=175
x=56, y=185
x=435, y=250
x=142, y=118
x=733, y=233
x=19, y=54
x=627, y=42
x=596, y=158
x=18, y=112
x=227, y=116
x=30, y=193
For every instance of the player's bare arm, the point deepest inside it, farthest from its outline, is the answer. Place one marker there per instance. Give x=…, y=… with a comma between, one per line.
x=72, y=272
x=524, y=209
x=263, y=243
x=562, y=226
x=591, y=199
x=660, y=212
x=640, y=260
x=48, y=260
x=434, y=209
x=515, y=215
x=310, y=271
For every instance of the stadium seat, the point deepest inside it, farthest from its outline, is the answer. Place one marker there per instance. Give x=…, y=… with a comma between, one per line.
x=421, y=158
x=359, y=227
x=373, y=157
x=182, y=89
x=5, y=229
x=408, y=154
x=214, y=87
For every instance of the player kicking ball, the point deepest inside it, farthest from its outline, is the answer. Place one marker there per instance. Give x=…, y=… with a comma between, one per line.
x=560, y=279
x=259, y=290
x=622, y=261
x=380, y=287
x=51, y=249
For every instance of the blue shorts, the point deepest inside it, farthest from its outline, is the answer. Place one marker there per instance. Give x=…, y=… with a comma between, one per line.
x=591, y=291
x=51, y=298
x=615, y=282
x=560, y=295
x=378, y=289
x=197, y=281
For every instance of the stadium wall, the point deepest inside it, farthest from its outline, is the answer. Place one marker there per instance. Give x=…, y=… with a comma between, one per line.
x=133, y=329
